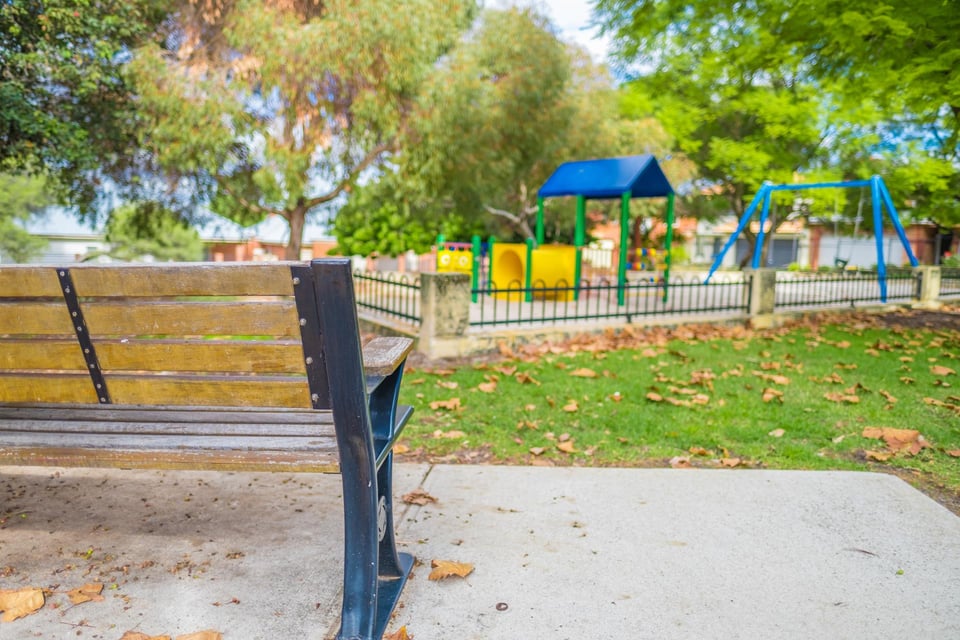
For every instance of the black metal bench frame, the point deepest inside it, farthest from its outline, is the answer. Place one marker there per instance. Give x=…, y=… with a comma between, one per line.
x=360, y=397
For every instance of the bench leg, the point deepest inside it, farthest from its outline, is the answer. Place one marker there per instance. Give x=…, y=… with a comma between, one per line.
x=394, y=567
x=374, y=572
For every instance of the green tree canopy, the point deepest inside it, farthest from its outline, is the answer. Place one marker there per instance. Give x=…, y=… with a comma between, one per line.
x=20, y=198
x=508, y=105
x=761, y=90
x=147, y=232
x=65, y=104
x=281, y=107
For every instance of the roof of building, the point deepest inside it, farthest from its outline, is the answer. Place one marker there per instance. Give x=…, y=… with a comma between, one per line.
x=608, y=178
x=61, y=222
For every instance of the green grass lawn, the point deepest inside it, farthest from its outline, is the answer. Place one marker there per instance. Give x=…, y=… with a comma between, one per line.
x=800, y=397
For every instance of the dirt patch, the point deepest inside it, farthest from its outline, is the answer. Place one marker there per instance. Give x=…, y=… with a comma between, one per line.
x=946, y=319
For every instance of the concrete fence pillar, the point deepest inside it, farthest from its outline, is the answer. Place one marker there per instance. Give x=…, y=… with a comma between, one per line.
x=444, y=311
x=763, y=294
x=929, y=276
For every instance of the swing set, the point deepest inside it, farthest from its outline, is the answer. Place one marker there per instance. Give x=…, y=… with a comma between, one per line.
x=881, y=200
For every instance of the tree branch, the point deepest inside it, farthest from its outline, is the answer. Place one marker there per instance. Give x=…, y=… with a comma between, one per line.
x=513, y=218
x=252, y=206
x=368, y=160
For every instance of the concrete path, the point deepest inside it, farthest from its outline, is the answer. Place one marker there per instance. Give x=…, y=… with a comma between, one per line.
x=559, y=553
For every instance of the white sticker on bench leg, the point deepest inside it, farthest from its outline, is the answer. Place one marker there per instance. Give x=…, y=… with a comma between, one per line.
x=381, y=518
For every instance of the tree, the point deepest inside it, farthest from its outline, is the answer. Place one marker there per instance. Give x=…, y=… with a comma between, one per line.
x=65, y=107
x=146, y=232
x=508, y=105
x=848, y=88
x=20, y=198
x=282, y=107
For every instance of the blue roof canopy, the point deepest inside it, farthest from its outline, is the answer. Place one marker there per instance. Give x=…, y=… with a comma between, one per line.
x=608, y=178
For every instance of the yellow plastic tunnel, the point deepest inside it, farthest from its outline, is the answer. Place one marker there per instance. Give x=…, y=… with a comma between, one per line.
x=553, y=266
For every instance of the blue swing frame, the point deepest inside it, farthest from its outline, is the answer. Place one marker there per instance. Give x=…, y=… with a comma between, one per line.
x=880, y=197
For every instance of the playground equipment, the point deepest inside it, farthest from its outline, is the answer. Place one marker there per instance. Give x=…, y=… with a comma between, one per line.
x=609, y=179
x=455, y=257
x=648, y=260
x=550, y=267
x=878, y=194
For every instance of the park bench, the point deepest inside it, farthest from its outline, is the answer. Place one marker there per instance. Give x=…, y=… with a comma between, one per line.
x=218, y=366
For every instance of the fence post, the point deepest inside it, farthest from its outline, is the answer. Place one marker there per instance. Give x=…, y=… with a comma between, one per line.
x=929, y=290
x=444, y=311
x=763, y=295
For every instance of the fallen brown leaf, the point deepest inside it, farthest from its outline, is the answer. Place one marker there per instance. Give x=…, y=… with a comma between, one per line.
x=940, y=370
x=447, y=568
x=840, y=397
x=953, y=453
x=583, y=373
x=898, y=440
x=730, y=462
x=202, y=635
x=447, y=384
x=19, y=603
x=136, y=635
x=887, y=396
x=487, y=387
x=777, y=433
x=400, y=448
x=700, y=451
x=450, y=405
x=419, y=497
x=877, y=455
x=400, y=634
x=537, y=451
x=89, y=592
x=680, y=462
x=526, y=378
x=654, y=397
x=769, y=395
x=566, y=446
x=453, y=434
x=571, y=407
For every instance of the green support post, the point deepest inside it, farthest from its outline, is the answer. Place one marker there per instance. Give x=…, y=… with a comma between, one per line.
x=667, y=243
x=528, y=276
x=539, y=221
x=624, y=247
x=475, y=269
x=490, y=241
x=579, y=237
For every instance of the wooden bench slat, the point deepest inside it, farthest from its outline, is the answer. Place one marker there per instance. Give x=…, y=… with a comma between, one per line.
x=313, y=461
x=192, y=318
x=47, y=387
x=197, y=279
x=228, y=391
x=382, y=355
x=96, y=428
x=21, y=281
x=260, y=356
x=35, y=318
x=121, y=413
x=41, y=353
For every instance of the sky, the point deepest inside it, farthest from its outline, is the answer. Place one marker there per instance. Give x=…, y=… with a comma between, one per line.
x=572, y=19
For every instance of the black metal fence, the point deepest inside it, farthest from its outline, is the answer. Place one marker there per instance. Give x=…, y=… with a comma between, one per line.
x=847, y=288
x=388, y=294
x=604, y=300
x=950, y=283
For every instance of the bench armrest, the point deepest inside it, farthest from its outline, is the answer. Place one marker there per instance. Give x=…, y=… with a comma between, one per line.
x=382, y=356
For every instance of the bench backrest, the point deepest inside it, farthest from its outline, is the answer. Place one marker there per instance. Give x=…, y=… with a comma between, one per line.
x=210, y=334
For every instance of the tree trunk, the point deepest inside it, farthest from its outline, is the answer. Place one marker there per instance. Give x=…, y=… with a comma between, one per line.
x=297, y=219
